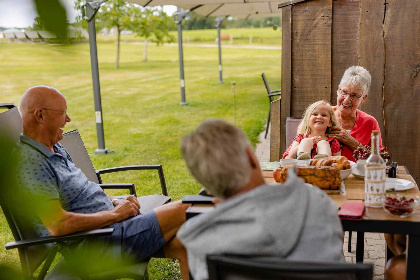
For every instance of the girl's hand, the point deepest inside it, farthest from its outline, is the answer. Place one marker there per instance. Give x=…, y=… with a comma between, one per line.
x=316, y=139
x=293, y=150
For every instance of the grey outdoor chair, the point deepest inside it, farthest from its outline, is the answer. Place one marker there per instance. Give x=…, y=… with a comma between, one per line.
x=291, y=129
x=271, y=94
x=38, y=253
x=73, y=143
x=234, y=267
x=10, y=121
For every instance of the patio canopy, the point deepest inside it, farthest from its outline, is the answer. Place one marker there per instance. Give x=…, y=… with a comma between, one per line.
x=235, y=8
x=220, y=8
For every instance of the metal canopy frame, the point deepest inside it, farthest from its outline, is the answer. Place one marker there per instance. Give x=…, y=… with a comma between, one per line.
x=92, y=8
x=218, y=23
x=238, y=8
x=178, y=18
x=220, y=8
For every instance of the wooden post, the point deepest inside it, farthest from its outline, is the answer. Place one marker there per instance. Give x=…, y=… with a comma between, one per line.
x=286, y=74
x=275, y=132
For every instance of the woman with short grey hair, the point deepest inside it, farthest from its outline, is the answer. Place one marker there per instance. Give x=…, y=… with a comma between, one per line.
x=357, y=126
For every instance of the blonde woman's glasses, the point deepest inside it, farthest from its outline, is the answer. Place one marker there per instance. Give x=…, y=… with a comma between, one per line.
x=351, y=95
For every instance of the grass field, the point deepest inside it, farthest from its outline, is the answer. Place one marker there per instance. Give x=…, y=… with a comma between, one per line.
x=143, y=118
x=260, y=36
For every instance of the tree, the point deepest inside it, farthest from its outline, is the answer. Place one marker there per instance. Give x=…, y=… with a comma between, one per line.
x=52, y=17
x=197, y=21
x=112, y=14
x=39, y=24
x=152, y=24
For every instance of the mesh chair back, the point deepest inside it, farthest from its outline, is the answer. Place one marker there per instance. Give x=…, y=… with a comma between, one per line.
x=30, y=257
x=11, y=122
x=266, y=86
x=291, y=129
x=248, y=268
x=74, y=145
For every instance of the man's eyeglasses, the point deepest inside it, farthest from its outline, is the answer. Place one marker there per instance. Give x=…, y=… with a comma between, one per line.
x=64, y=113
x=345, y=94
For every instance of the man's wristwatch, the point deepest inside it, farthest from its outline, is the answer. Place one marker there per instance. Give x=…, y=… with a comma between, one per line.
x=114, y=200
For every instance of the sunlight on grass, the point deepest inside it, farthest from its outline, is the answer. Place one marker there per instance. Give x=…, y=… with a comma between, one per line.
x=143, y=120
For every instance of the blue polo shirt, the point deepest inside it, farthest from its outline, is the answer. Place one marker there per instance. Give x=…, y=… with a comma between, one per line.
x=54, y=176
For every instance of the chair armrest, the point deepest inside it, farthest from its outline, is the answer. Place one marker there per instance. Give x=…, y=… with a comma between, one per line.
x=275, y=91
x=274, y=94
x=52, y=239
x=158, y=167
x=119, y=186
x=7, y=105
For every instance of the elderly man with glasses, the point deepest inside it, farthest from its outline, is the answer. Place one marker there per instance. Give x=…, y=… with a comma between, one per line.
x=72, y=203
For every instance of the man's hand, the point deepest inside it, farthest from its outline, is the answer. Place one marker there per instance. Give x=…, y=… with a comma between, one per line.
x=130, y=198
x=61, y=222
x=126, y=209
x=216, y=200
x=344, y=137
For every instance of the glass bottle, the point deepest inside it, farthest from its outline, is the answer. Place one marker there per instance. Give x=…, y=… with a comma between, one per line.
x=374, y=175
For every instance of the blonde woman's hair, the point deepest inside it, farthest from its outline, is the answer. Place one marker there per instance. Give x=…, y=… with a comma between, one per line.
x=304, y=128
x=216, y=155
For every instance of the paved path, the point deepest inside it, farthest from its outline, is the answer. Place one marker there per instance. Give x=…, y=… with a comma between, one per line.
x=374, y=242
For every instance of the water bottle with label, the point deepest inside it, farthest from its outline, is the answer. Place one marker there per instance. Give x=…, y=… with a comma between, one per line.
x=374, y=175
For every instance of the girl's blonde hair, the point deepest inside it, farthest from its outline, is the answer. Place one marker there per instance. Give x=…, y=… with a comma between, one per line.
x=304, y=128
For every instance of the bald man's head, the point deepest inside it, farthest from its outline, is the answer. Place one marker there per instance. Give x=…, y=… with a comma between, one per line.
x=38, y=97
x=44, y=115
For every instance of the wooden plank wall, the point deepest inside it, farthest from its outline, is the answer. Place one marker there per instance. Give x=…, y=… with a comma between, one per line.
x=402, y=83
x=311, y=54
x=372, y=55
x=286, y=81
x=328, y=36
x=345, y=38
x=275, y=130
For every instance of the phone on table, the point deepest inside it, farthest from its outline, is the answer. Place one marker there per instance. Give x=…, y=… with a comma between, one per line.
x=352, y=210
x=197, y=199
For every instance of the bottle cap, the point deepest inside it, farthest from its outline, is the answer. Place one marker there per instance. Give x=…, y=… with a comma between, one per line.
x=375, y=132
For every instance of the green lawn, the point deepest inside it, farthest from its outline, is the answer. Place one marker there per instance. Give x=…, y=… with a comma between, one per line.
x=260, y=36
x=143, y=120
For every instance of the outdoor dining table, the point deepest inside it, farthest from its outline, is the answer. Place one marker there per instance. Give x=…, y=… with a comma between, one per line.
x=374, y=220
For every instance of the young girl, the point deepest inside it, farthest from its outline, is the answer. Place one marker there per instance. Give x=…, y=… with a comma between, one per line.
x=311, y=140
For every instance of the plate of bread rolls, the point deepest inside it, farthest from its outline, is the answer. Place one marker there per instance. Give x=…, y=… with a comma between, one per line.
x=339, y=162
x=326, y=173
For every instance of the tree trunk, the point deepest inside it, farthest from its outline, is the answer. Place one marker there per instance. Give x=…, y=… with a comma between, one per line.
x=145, y=50
x=117, y=62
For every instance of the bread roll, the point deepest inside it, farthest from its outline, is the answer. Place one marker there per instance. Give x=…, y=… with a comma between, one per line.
x=338, y=162
x=325, y=177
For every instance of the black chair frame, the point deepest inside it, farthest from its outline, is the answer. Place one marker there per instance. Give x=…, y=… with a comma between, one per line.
x=252, y=267
x=270, y=94
x=41, y=257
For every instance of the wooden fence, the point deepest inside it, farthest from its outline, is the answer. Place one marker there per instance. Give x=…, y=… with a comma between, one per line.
x=322, y=38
